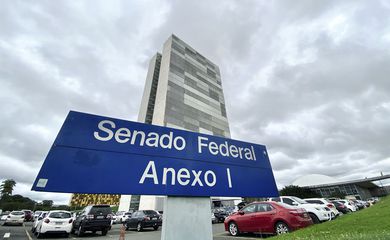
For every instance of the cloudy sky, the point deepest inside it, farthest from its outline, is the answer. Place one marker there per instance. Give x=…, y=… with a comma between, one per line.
x=308, y=79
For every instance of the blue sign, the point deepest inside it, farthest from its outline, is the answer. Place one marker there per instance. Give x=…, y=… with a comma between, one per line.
x=96, y=154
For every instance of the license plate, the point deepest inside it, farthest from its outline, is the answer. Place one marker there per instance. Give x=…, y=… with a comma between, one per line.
x=58, y=223
x=100, y=217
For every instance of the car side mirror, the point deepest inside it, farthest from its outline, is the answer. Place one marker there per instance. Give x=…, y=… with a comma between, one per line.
x=241, y=212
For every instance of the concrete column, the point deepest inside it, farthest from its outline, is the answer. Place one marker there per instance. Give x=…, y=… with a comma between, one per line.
x=187, y=218
x=124, y=203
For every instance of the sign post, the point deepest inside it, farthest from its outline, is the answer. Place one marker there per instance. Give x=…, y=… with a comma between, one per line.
x=152, y=160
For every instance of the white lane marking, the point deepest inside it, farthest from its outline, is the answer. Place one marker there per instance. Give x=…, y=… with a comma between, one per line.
x=7, y=235
x=28, y=234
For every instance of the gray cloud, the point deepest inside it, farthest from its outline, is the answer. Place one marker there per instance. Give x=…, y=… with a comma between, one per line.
x=307, y=79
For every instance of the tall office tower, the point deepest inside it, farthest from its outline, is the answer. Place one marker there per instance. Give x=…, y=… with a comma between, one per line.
x=183, y=90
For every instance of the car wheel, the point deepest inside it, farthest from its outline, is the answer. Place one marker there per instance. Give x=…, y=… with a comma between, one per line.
x=314, y=218
x=104, y=232
x=80, y=231
x=32, y=229
x=281, y=228
x=127, y=226
x=39, y=234
x=155, y=228
x=139, y=227
x=233, y=229
x=72, y=230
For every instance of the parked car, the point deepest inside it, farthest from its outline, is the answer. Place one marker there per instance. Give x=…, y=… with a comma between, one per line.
x=14, y=217
x=28, y=215
x=358, y=204
x=144, y=219
x=93, y=218
x=340, y=207
x=36, y=215
x=316, y=212
x=113, y=219
x=122, y=217
x=41, y=216
x=213, y=218
x=351, y=207
x=220, y=214
x=325, y=203
x=267, y=218
x=56, y=221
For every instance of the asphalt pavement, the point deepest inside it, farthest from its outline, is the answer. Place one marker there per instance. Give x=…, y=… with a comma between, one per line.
x=24, y=233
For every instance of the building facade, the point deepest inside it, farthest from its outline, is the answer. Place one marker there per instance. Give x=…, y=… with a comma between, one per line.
x=183, y=90
x=81, y=200
x=327, y=187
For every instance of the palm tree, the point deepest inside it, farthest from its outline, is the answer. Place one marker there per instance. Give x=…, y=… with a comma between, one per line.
x=7, y=187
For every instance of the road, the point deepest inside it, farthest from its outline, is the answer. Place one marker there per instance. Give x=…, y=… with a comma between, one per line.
x=24, y=233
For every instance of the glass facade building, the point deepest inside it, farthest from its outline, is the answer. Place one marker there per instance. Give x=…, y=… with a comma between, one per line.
x=183, y=90
x=195, y=99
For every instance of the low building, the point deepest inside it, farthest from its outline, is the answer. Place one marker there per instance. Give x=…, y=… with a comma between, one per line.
x=329, y=187
x=81, y=200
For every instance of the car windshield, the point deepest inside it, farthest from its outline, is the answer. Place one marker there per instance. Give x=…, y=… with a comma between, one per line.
x=150, y=212
x=17, y=213
x=60, y=215
x=298, y=200
x=101, y=210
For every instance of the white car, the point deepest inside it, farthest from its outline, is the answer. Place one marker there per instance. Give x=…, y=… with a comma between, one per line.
x=351, y=207
x=122, y=217
x=56, y=221
x=213, y=218
x=42, y=215
x=113, y=219
x=36, y=214
x=325, y=203
x=316, y=212
x=15, y=217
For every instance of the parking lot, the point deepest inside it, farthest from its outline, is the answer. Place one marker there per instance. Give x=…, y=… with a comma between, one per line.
x=24, y=232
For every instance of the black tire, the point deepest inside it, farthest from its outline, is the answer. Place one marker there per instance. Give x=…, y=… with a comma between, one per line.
x=233, y=229
x=72, y=231
x=314, y=218
x=39, y=234
x=155, y=228
x=127, y=226
x=281, y=228
x=139, y=227
x=67, y=235
x=104, y=232
x=33, y=229
x=80, y=231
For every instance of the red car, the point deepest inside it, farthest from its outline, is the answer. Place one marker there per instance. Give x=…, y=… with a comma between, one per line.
x=268, y=218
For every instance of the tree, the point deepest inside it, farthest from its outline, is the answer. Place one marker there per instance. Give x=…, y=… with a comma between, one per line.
x=7, y=187
x=47, y=203
x=13, y=202
x=297, y=191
